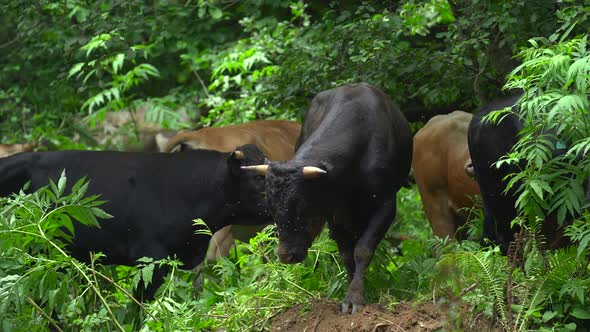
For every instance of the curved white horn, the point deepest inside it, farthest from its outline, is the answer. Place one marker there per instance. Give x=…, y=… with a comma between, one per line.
x=312, y=172
x=259, y=169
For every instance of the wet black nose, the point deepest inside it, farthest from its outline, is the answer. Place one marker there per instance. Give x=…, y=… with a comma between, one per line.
x=293, y=257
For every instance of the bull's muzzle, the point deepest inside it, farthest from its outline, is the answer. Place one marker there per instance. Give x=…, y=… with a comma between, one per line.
x=291, y=255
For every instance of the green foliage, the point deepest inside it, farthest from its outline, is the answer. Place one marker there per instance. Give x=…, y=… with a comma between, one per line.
x=555, y=78
x=104, y=65
x=68, y=64
x=252, y=287
x=38, y=277
x=579, y=231
x=238, y=61
x=486, y=268
x=239, y=292
x=550, y=156
x=550, y=288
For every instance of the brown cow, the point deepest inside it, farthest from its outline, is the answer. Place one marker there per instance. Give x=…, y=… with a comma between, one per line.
x=275, y=138
x=10, y=149
x=441, y=165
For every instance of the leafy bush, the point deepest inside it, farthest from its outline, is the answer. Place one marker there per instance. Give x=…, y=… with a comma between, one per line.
x=555, y=78
x=549, y=289
x=39, y=278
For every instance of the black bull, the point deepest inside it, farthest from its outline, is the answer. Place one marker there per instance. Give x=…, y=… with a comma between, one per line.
x=153, y=197
x=488, y=142
x=353, y=155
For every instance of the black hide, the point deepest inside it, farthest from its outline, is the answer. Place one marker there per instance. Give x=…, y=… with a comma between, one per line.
x=488, y=142
x=153, y=197
x=362, y=140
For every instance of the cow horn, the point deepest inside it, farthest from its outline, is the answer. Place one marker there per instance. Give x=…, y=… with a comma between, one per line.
x=239, y=155
x=259, y=169
x=312, y=172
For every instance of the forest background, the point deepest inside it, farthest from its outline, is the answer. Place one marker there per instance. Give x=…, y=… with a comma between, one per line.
x=66, y=65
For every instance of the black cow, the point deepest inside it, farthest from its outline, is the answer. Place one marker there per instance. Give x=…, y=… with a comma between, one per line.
x=153, y=197
x=353, y=155
x=488, y=142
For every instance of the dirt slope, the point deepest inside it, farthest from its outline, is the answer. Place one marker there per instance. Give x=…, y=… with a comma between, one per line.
x=325, y=315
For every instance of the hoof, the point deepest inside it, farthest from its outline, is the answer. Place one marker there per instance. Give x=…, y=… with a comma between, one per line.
x=345, y=306
x=356, y=307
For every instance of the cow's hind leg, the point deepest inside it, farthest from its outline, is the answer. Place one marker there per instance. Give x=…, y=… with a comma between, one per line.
x=436, y=206
x=364, y=249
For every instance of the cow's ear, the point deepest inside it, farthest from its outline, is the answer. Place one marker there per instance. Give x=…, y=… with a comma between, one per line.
x=235, y=160
x=237, y=155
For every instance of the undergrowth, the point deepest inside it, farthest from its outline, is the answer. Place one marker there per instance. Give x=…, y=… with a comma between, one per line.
x=42, y=287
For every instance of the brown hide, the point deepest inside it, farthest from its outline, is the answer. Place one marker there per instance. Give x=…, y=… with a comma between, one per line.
x=275, y=138
x=439, y=159
x=10, y=149
x=151, y=142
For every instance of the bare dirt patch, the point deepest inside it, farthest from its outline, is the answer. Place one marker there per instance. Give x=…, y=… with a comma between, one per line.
x=325, y=315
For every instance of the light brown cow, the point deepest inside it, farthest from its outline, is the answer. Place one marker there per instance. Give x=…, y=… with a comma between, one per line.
x=441, y=164
x=10, y=149
x=275, y=138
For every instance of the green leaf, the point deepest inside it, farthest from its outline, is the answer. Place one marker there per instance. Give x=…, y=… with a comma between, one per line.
x=76, y=68
x=51, y=297
x=202, y=227
x=534, y=184
x=215, y=12
x=61, y=183
x=83, y=215
x=66, y=222
x=147, y=273
x=548, y=315
x=583, y=244
x=135, y=281
x=100, y=213
x=516, y=307
x=561, y=212
x=145, y=260
x=580, y=312
x=118, y=62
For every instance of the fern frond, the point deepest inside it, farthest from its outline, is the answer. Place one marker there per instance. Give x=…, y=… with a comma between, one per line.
x=543, y=284
x=488, y=268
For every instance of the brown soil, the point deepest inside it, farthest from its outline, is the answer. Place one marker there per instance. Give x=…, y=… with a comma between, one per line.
x=325, y=315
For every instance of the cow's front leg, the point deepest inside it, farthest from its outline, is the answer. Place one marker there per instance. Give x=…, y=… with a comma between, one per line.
x=363, y=253
x=345, y=239
x=340, y=231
